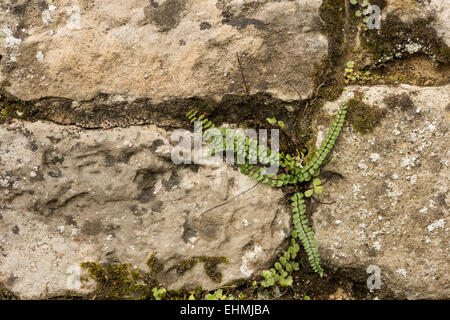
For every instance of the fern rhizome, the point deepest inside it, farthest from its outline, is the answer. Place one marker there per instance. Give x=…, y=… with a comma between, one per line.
x=304, y=176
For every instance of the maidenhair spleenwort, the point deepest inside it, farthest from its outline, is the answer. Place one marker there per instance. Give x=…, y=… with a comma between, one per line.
x=295, y=173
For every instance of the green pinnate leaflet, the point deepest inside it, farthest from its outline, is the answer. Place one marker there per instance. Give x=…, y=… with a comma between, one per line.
x=254, y=159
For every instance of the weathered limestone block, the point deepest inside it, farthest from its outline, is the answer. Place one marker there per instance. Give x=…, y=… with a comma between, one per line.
x=391, y=206
x=437, y=10
x=69, y=195
x=160, y=50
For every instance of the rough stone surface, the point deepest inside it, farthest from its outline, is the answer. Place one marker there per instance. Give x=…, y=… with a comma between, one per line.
x=391, y=206
x=69, y=196
x=439, y=10
x=161, y=50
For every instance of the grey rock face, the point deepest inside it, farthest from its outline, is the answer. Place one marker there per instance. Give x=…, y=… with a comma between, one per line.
x=140, y=49
x=437, y=10
x=69, y=196
x=391, y=206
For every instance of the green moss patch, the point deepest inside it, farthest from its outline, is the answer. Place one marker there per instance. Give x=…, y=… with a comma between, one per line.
x=363, y=117
x=332, y=13
x=119, y=280
x=209, y=265
x=6, y=294
x=399, y=101
x=11, y=108
x=122, y=281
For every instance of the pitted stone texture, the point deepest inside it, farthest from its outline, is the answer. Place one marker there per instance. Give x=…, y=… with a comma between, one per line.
x=441, y=9
x=390, y=208
x=68, y=196
x=408, y=10
x=162, y=50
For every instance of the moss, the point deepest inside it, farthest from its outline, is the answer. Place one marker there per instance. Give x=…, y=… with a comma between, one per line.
x=399, y=101
x=332, y=13
x=362, y=117
x=311, y=147
x=154, y=266
x=376, y=50
x=185, y=265
x=397, y=39
x=381, y=3
x=6, y=294
x=4, y=84
x=122, y=281
x=116, y=281
x=119, y=280
x=444, y=55
x=68, y=296
x=12, y=108
x=326, y=75
x=209, y=265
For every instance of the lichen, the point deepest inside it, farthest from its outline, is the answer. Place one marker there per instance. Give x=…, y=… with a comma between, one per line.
x=398, y=40
x=378, y=52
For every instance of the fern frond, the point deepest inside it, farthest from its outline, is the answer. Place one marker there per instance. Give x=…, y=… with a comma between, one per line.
x=250, y=152
x=244, y=148
x=328, y=143
x=249, y=149
x=304, y=232
x=206, y=123
x=259, y=174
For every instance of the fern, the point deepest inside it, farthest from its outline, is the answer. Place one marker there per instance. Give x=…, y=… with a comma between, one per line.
x=328, y=143
x=304, y=232
x=244, y=148
x=207, y=124
x=280, y=273
x=251, y=152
